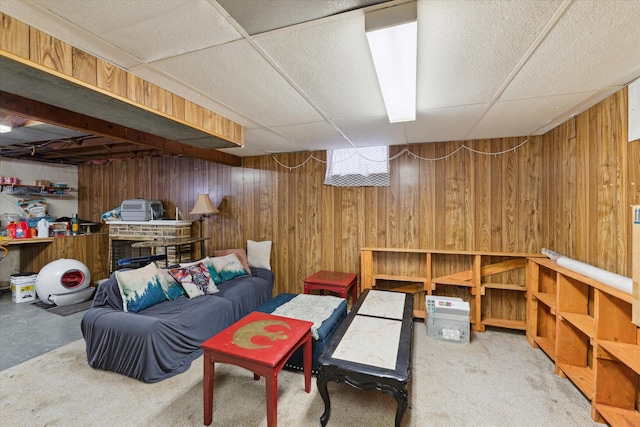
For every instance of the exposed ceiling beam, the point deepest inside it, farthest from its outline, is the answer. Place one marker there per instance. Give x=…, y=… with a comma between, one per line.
x=15, y=104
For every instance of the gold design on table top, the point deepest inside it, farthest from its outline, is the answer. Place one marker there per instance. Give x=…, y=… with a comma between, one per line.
x=242, y=337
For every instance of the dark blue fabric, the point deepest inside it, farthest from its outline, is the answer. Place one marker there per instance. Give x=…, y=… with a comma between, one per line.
x=325, y=331
x=163, y=340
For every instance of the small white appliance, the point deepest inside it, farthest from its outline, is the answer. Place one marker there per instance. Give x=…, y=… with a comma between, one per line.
x=447, y=318
x=64, y=282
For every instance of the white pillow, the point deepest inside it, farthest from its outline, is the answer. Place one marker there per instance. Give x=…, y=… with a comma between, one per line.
x=259, y=254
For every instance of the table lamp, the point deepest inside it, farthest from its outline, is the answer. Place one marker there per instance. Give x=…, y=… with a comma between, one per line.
x=203, y=207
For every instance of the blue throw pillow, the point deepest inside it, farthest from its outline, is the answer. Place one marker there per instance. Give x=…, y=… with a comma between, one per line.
x=228, y=267
x=140, y=288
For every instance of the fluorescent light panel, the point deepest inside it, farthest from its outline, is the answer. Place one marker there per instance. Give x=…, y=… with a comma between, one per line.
x=5, y=128
x=392, y=34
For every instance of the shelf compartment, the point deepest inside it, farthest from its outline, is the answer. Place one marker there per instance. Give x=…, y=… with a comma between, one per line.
x=503, y=286
x=548, y=345
x=547, y=299
x=505, y=323
x=617, y=416
x=452, y=282
x=629, y=354
x=581, y=376
x=583, y=322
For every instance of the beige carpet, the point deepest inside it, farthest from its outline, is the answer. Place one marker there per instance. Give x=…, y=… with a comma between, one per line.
x=497, y=380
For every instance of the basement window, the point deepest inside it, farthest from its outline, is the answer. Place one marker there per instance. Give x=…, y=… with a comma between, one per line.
x=358, y=167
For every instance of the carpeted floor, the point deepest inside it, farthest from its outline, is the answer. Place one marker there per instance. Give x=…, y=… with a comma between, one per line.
x=497, y=380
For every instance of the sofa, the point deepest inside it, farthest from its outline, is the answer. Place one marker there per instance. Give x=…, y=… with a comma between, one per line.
x=163, y=339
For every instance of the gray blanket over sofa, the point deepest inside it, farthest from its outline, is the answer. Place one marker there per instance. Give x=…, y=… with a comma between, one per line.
x=163, y=340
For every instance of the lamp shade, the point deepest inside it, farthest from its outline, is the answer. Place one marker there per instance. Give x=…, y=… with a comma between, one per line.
x=204, y=206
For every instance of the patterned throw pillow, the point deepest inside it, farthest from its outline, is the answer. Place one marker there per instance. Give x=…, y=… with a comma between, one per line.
x=140, y=288
x=240, y=253
x=195, y=279
x=228, y=267
x=209, y=264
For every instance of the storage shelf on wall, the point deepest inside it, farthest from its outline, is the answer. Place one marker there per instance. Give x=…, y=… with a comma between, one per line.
x=585, y=327
x=469, y=270
x=23, y=190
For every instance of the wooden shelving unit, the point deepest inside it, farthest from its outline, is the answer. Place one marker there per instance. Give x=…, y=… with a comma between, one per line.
x=585, y=327
x=35, y=190
x=422, y=271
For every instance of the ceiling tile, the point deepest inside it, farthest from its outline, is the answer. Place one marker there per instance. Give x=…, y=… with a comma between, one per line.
x=466, y=50
x=331, y=63
x=443, y=124
x=149, y=29
x=593, y=45
x=373, y=131
x=522, y=116
x=309, y=136
x=239, y=77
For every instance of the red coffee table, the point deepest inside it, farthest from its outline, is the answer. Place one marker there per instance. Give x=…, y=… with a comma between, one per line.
x=261, y=343
x=333, y=281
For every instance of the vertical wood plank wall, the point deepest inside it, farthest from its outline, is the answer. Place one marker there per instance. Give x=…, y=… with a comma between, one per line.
x=568, y=190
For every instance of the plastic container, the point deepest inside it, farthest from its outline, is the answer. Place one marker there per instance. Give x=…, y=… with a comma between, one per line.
x=23, y=287
x=75, y=225
x=11, y=230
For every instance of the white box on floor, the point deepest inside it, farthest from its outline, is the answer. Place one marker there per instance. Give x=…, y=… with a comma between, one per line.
x=447, y=319
x=23, y=292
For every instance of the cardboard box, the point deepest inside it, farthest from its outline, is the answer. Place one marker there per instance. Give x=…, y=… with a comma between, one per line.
x=447, y=319
x=23, y=292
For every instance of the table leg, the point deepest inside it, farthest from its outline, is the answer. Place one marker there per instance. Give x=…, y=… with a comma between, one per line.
x=354, y=291
x=271, y=382
x=402, y=403
x=306, y=354
x=321, y=382
x=207, y=384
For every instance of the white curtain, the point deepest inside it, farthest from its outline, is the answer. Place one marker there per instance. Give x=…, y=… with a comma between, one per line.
x=363, y=166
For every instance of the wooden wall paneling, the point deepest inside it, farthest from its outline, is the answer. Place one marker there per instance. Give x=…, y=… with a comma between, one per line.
x=426, y=199
x=193, y=113
x=409, y=209
x=482, y=195
x=50, y=52
x=313, y=214
x=178, y=106
x=348, y=259
x=569, y=189
x=530, y=181
x=509, y=187
x=617, y=105
x=135, y=88
x=327, y=226
x=497, y=194
x=606, y=209
x=84, y=66
x=111, y=78
x=14, y=36
x=583, y=225
x=506, y=303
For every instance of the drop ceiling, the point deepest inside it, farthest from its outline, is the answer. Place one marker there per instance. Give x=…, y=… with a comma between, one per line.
x=299, y=77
